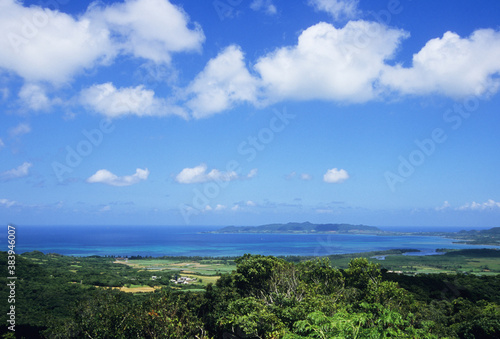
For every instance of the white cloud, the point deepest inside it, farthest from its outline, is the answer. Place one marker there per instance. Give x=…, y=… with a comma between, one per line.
x=220, y=207
x=199, y=174
x=35, y=37
x=112, y=102
x=445, y=206
x=18, y=172
x=338, y=9
x=7, y=203
x=153, y=29
x=329, y=63
x=335, y=175
x=250, y=203
x=1, y=144
x=451, y=65
x=33, y=96
x=19, y=130
x=105, y=208
x=305, y=176
x=252, y=173
x=266, y=6
x=474, y=206
x=224, y=82
x=106, y=177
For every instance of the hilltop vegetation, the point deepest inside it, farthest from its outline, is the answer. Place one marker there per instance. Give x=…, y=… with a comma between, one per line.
x=257, y=297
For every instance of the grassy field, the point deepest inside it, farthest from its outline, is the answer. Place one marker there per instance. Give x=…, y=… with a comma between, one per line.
x=205, y=271
x=483, y=262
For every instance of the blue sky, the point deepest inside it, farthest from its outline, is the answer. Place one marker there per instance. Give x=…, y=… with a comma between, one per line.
x=246, y=112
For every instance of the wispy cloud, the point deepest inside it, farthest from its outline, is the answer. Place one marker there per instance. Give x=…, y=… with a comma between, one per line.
x=7, y=203
x=305, y=176
x=335, y=176
x=338, y=9
x=199, y=174
x=475, y=206
x=104, y=176
x=302, y=176
x=19, y=130
x=18, y=172
x=446, y=205
x=266, y=6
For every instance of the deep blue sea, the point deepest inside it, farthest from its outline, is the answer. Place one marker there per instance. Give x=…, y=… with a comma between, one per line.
x=191, y=241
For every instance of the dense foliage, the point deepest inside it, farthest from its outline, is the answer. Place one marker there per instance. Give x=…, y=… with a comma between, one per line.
x=268, y=297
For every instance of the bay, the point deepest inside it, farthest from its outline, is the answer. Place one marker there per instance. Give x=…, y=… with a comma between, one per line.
x=193, y=241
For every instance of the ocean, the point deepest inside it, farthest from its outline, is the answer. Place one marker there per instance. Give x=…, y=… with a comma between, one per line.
x=193, y=241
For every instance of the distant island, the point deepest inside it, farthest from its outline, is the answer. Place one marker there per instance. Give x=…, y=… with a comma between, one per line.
x=304, y=227
x=483, y=237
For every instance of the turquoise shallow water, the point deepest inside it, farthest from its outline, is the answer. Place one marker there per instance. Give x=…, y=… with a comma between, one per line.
x=191, y=241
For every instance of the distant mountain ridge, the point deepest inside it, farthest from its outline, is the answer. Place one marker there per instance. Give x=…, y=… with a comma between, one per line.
x=304, y=227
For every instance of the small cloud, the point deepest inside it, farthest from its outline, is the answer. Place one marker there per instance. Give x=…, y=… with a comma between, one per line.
x=305, y=176
x=105, y=209
x=220, y=207
x=335, y=176
x=199, y=174
x=33, y=97
x=338, y=9
x=266, y=6
x=250, y=203
x=19, y=130
x=252, y=173
x=445, y=205
x=7, y=203
x=106, y=177
x=324, y=211
x=235, y=207
x=474, y=206
x=18, y=172
x=1, y=144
